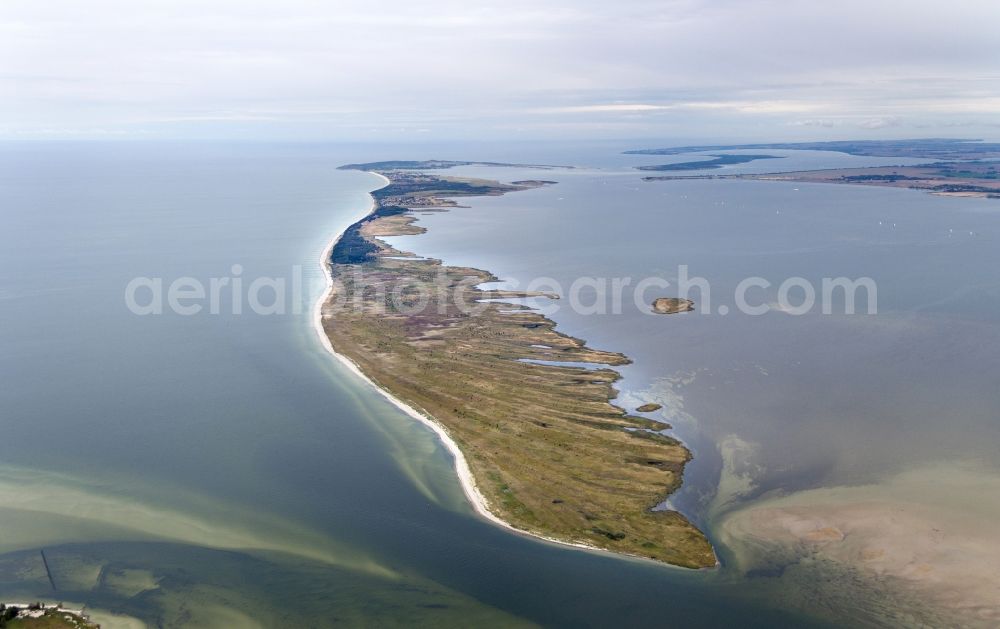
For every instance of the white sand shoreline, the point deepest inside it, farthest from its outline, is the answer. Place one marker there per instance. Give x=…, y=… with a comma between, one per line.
x=465, y=477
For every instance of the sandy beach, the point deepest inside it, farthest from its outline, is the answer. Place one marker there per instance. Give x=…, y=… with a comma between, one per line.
x=461, y=466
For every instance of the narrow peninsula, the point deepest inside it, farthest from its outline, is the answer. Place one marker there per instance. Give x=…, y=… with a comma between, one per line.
x=546, y=451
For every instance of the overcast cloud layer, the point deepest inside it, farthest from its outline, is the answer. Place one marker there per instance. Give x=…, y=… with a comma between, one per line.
x=751, y=69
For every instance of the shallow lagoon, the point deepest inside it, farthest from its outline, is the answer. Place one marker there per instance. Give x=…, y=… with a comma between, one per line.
x=778, y=406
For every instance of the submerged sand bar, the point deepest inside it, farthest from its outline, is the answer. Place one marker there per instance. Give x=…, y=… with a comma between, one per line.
x=538, y=446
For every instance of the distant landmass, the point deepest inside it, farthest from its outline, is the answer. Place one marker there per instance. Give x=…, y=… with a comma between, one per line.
x=934, y=148
x=433, y=164
x=967, y=168
x=718, y=162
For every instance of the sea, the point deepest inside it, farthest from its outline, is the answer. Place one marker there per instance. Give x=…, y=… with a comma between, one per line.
x=178, y=449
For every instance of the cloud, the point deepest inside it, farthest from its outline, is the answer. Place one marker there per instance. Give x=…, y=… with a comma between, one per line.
x=482, y=68
x=815, y=122
x=850, y=121
x=615, y=108
x=879, y=123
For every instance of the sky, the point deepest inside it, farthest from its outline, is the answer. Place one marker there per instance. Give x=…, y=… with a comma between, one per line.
x=752, y=70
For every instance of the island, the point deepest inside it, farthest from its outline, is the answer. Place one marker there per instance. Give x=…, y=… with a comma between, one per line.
x=526, y=410
x=672, y=305
x=649, y=407
x=970, y=168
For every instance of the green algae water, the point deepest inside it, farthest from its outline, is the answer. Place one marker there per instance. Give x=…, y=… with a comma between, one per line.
x=222, y=470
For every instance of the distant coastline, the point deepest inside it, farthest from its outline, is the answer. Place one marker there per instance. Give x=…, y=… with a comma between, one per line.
x=967, y=168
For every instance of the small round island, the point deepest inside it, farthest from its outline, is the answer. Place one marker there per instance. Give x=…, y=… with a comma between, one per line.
x=672, y=305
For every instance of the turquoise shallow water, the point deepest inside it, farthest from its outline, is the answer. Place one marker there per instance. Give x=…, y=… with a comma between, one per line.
x=222, y=469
